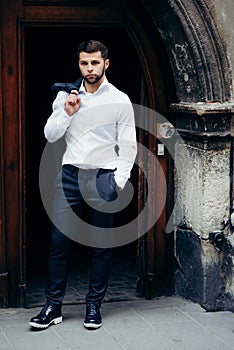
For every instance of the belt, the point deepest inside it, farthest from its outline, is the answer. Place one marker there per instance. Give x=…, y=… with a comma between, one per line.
x=74, y=168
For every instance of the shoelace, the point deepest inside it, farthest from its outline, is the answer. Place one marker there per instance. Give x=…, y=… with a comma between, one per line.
x=49, y=309
x=92, y=309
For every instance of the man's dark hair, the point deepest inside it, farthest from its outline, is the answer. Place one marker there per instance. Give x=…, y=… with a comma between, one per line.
x=90, y=46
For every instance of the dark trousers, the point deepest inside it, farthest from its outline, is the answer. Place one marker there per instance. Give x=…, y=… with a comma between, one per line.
x=81, y=213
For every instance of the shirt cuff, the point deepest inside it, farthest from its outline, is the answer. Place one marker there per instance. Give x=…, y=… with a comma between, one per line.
x=120, y=181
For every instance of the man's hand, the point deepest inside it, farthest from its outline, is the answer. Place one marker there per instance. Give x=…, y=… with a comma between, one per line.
x=72, y=103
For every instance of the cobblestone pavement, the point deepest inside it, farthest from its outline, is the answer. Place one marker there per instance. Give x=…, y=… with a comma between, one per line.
x=122, y=285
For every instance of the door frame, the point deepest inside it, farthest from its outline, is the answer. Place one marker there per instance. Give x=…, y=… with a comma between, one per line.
x=155, y=242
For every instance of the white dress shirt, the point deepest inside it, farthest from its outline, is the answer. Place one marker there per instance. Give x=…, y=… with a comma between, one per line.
x=104, y=120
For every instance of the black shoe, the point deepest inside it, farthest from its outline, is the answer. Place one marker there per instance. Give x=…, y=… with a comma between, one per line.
x=50, y=314
x=93, y=319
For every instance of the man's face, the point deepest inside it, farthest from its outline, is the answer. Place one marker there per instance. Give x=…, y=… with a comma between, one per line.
x=92, y=66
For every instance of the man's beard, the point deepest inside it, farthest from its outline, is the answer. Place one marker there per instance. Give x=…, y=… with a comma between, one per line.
x=96, y=79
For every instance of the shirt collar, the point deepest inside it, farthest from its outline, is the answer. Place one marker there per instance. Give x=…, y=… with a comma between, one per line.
x=103, y=85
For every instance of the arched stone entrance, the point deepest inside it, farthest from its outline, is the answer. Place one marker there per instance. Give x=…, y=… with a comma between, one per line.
x=204, y=160
x=196, y=48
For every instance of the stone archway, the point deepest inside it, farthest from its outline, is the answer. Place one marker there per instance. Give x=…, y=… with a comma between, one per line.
x=196, y=48
x=203, y=161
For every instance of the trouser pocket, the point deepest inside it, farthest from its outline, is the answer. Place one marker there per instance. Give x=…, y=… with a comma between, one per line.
x=106, y=185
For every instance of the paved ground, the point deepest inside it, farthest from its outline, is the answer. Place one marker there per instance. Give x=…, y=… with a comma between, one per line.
x=129, y=322
x=122, y=285
x=166, y=323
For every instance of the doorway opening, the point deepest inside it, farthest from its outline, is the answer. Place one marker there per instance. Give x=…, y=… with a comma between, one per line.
x=50, y=56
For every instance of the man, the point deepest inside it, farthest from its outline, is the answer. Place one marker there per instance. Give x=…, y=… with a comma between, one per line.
x=98, y=124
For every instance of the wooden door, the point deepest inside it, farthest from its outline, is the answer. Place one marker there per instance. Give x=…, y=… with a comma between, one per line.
x=62, y=28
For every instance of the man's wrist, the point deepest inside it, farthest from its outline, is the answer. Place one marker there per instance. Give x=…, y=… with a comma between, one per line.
x=120, y=182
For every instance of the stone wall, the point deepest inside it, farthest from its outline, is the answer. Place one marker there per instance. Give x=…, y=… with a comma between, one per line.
x=202, y=209
x=225, y=21
x=203, y=234
x=202, y=178
x=198, y=36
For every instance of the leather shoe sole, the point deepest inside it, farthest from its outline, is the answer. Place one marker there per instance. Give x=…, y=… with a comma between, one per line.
x=92, y=325
x=56, y=320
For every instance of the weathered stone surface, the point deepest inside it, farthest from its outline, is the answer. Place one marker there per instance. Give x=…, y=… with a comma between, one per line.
x=225, y=23
x=189, y=276
x=202, y=187
x=201, y=275
x=203, y=159
x=196, y=49
x=204, y=120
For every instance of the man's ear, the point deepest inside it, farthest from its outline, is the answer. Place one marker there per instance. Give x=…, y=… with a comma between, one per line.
x=107, y=63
